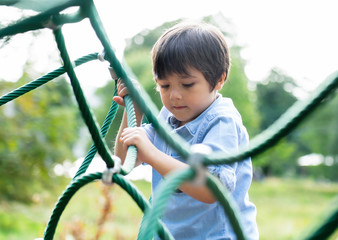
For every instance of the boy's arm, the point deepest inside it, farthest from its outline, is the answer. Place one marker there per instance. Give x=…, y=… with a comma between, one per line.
x=162, y=163
x=119, y=150
x=165, y=164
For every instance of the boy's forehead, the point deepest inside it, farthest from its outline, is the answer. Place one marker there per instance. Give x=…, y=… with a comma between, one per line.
x=175, y=76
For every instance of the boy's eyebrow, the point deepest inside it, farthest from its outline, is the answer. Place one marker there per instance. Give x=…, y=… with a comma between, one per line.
x=160, y=80
x=188, y=76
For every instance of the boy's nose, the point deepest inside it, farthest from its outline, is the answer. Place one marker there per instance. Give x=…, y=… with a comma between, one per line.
x=175, y=94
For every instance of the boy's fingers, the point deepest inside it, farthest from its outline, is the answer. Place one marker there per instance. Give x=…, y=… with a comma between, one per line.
x=119, y=85
x=122, y=89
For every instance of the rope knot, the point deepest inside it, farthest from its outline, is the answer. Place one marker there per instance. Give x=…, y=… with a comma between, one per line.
x=50, y=24
x=107, y=174
x=195, y=160
x=101, y=56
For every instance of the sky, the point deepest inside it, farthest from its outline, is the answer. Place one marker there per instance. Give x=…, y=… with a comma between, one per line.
x=298, y=37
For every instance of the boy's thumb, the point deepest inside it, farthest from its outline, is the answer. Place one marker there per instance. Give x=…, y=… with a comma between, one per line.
x=119, y=100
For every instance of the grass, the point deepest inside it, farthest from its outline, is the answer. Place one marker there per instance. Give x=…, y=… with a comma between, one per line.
x=286, y=207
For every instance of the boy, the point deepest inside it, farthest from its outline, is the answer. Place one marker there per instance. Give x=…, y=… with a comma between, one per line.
x=190, y=64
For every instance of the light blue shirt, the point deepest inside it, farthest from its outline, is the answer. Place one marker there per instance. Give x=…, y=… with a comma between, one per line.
x=220, y=127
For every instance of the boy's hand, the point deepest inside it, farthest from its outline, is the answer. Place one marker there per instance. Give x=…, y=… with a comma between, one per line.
x=138, y=138
x=121, y=91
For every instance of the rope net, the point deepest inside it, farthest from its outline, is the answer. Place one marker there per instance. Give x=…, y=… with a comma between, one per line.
x=153, y=209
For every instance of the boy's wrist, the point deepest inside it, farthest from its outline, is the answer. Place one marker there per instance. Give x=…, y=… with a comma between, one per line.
x=139, y=118
x=152, y=156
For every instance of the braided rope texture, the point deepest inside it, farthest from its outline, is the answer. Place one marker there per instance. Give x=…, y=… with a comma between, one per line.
x=151, y=222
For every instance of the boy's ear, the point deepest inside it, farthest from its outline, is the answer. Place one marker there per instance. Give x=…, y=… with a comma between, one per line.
x=220, y=82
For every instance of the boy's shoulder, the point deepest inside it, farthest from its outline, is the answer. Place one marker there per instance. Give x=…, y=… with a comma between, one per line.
x=223, y=107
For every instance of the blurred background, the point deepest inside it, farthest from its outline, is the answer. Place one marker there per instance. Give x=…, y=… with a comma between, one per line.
x=281, y=51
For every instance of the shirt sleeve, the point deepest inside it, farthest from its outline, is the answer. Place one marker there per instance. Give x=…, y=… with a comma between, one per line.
x=150, y=130
x=223, y=136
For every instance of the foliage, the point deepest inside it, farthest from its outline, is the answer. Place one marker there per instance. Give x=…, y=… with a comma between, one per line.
x=319, y=131
x=316, y=135
x=37, y=131
x=319, y=134
x=236, y=88
x=105, y=95
x=274, y=97
x=278, y=160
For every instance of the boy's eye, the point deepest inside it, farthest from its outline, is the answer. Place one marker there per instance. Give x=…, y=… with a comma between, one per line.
x=188, y=85
x=164, y=86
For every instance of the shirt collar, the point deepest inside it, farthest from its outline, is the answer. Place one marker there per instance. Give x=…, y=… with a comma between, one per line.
x=193, y=125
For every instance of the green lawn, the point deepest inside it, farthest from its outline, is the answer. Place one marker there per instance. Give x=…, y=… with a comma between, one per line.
x=285, y=209
x=288, y=207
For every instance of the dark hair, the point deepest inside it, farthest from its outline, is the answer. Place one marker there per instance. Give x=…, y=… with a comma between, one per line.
x=201, y=46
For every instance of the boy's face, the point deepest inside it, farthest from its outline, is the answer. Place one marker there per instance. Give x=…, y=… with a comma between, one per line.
x=186, y=96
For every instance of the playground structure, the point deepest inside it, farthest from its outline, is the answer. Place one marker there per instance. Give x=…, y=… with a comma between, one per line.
x=54, y=19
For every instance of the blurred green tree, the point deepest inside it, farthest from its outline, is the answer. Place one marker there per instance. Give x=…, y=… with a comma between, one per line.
x=274, y=97
x=319, y=134
x=237, y=89
x=38, y=130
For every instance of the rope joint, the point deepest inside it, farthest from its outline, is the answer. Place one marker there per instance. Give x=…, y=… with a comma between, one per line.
x=49, y=23
x=113, y=73
x=195, y=160
x=101, y=56
x=107, y=174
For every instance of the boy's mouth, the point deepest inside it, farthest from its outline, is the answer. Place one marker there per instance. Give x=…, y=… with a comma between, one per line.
x=179, y=107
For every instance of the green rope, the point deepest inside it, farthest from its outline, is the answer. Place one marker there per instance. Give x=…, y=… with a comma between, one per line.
x=132, y=151
x=170, y=184
x=41, y=20
x=227, y=203
x=327, y=226
x=283, y=126
x=142, y=202
x=44, y=79
x=83, y=106
x=63, y=201
x=82, y=180
x=138, y=94
x=160, y=199
x=104, y=129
